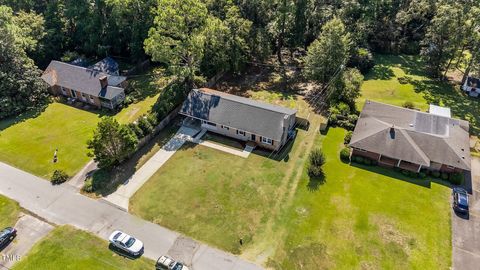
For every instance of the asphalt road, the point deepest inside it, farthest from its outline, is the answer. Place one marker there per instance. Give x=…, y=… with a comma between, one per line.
x=466, y=229
x=63, y=205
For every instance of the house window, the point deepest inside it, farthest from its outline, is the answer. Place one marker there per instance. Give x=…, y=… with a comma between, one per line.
x=240, y=132
x=63, y=90
x=209, y=123
x=267, y=140
x=73, y=93
x=91, y=99
x=225, y=127
x=84, y=98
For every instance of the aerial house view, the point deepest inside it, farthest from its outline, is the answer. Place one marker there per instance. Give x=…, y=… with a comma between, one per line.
x=239, y=135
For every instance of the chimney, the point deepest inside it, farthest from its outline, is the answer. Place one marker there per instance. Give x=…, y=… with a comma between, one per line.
x=103, y=81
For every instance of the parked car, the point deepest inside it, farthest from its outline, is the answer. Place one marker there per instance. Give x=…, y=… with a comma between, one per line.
x=460, y=200
x=7, y=235
x=126, y=243
x=167, y=263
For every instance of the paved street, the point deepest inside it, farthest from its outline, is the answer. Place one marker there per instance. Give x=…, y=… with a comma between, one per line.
x=63, y=205
x=30, y=230
x=466, y=230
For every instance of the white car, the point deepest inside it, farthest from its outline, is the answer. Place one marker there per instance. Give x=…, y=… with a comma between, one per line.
x=126, y=243
x=167, y=263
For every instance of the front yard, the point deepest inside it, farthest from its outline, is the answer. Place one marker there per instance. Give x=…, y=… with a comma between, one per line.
x=9, y=211
x=68, y=248
x=364, y=218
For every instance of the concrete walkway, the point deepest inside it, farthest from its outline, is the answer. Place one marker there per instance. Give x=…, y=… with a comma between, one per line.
x=243, y=154
x=30, y=231
x=78, y=180
x=121, y=196
x=466, y=229
x=63, y=205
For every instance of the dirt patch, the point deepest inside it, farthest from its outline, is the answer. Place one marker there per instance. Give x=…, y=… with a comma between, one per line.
x=389, y=233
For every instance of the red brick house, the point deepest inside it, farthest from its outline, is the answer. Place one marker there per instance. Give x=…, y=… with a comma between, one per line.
x=410, y=139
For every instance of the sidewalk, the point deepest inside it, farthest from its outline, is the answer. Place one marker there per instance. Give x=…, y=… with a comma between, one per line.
x=62, y=205
x=121, y=196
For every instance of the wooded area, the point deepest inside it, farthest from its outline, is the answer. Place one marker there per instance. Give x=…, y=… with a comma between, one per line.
x=196, y=39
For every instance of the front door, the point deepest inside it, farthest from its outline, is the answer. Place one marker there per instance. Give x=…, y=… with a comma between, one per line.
x=253, y=137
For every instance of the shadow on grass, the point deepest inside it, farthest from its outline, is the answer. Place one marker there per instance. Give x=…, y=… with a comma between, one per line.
x=282, y=154
x=124, y=253
x=106, y=182
x=8, y=122
x=314, y=183
x=380, y=72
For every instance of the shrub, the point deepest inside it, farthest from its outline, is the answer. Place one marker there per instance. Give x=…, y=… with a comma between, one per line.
x=405, y=172
x=403, y=80
x=436, y=174
x=316, y=161
x=346, y=125
x=408, y=105
x=374, y=163
x=343, y=108
x=422, y=175
x=145, y=125
x=348, y=137
x=445, y=176
x=367, y=162
x=332, y=120
x=345, y=154
x=359, y=159
x=153, y=119
x=456, y=178
x=136, y=129
x=413, y=174
x=352, y=118
x=59, y=177
x=88, y=186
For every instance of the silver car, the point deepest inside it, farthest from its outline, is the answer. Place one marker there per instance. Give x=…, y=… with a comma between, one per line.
x=126, y=243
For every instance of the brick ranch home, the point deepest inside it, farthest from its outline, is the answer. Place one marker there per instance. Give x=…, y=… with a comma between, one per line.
x=90, y=85
x=412, y=140
x=269, y=126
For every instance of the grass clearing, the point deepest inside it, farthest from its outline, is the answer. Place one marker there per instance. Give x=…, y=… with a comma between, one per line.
x=68, y=248
x=382, y=84
x=9, y=211
x=364, y=218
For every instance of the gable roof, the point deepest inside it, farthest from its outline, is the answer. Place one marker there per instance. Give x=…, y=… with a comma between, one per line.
x=412, y=135
x=82, y=79
x=106, y=65
x=238, y=112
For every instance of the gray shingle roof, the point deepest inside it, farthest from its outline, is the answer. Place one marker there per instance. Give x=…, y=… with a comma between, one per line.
x=82, y=79
x=412, y=136
x=242, y=113
x=106, y=65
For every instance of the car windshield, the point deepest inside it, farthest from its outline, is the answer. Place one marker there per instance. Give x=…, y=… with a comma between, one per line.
x=462, y=199
x=130, y=242
x=177, y=266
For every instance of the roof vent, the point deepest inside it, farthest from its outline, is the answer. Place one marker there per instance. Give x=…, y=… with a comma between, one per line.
x=411, y=125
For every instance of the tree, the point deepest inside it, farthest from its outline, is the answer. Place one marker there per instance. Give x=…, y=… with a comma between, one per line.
x=328, y=53
x=177, y=37
x=350, y=86
x=442, y=40
x=21, y=88
x=112, y=142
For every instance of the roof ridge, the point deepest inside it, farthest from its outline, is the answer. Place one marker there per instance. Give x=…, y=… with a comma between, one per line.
x=415, y=146
x=212, y=94
x=460, y=158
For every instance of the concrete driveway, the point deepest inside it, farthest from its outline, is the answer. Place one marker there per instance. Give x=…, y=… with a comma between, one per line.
x=30, y=230
x=466, y=229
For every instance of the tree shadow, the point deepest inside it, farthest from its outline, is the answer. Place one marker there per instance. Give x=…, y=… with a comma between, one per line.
x=314, y=183
x=380, y=72
x=31, y=114
x=148, y=84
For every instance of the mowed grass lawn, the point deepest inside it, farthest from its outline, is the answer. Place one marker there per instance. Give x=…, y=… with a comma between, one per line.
x=360, y=219
x=9, y=211
x=220, y=198
x=29, y=145
x=382, y=84
x=68, y=248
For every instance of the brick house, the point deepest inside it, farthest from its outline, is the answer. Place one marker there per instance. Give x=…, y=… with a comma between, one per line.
x=269, y=126
x=410, y=139
x=87, y=85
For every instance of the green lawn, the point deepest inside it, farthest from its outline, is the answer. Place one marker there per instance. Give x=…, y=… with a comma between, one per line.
x=361, y=219
x=30, y=144
x=217, y=197
x=135, y=110
x=69, y=248
x=382, y=84
x=9, y=211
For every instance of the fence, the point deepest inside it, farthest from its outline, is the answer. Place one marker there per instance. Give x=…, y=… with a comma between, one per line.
x=165, y=121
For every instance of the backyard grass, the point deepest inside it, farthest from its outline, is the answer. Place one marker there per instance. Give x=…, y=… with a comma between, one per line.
x=9, y=211
x=364, y=218
x=382, y=84
x=135, y=110
x=30, y=144
x=69, y=248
